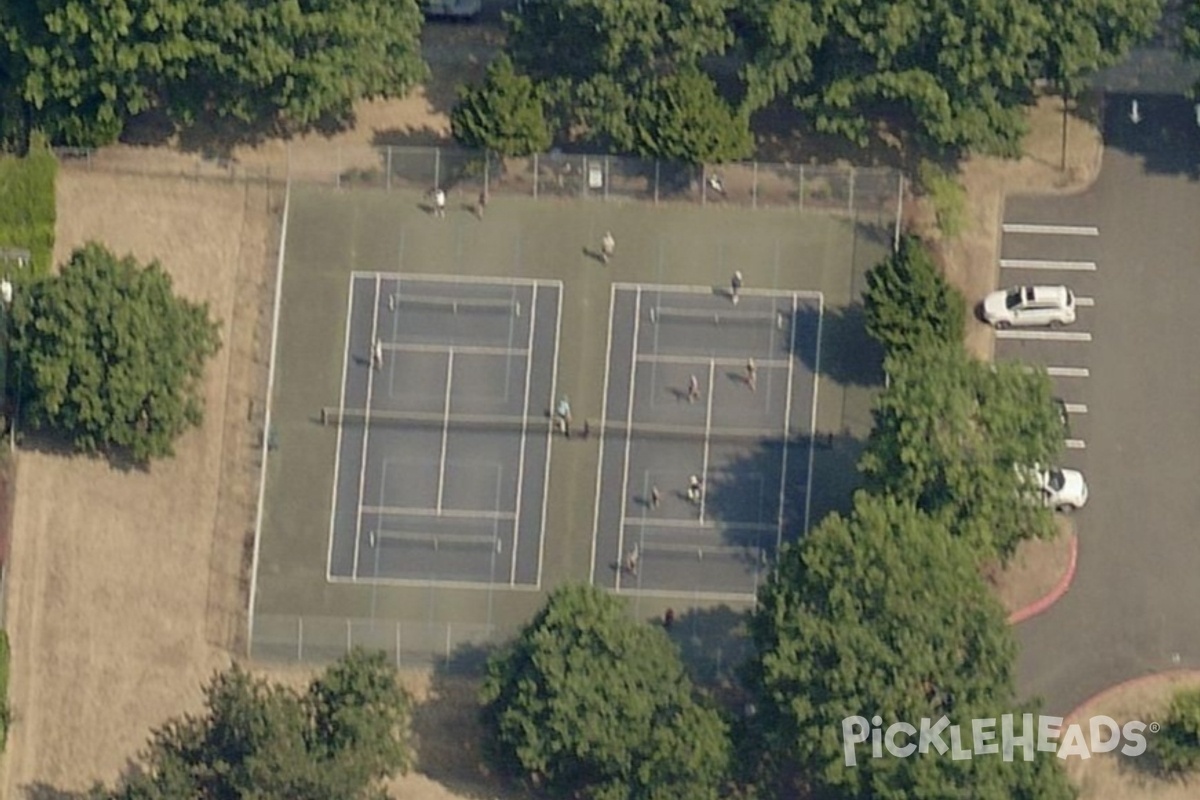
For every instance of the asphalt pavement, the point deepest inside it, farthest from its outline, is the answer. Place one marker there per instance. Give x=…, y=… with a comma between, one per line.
x=1134, y=607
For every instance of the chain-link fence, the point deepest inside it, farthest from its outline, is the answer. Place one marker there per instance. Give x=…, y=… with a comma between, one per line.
x=467, y=174
x=455, y=646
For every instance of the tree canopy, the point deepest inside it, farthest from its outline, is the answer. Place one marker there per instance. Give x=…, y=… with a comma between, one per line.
x=82, y=70
x=883, y=613
x=951, y=435
x=909, y=305
x=591, y=703
x=1176, y=748
x=504, y=114
x=106, y=354
x=255, y=739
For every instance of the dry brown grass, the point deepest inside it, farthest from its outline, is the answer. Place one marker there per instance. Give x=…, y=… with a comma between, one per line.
x=1034, y=570
x=1110, y=776
x=124, y=587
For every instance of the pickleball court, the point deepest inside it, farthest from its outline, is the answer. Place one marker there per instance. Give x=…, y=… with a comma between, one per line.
x=444, y=442
x=680, y=401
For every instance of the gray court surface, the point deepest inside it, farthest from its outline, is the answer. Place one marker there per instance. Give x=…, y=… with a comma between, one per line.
x=443, y=449
x=748, y=440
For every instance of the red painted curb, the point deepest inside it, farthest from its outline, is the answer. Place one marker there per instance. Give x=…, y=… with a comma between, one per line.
x=1055, y=594
x=1129, y=684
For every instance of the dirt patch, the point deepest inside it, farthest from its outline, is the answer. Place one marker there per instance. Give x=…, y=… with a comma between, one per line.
x=125, y=588
x=1111, y=776
x=1035, y=569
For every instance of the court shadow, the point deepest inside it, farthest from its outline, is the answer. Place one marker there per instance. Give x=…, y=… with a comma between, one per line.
x=848, y=355
x=713, y=643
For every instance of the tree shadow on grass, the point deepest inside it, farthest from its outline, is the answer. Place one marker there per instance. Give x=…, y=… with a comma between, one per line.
x=56, y=443
x=44, y=791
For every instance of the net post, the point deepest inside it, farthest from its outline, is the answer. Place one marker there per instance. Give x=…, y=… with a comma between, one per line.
x=389, y=168
x=437, y=167
x=449, y=640
x=754, y=188
x=656, y=175
x=535, y=175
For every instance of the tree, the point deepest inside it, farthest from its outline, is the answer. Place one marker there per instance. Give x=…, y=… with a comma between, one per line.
x=107, y=354
x=505, y=114
x=592, y=703
x=83, y=69
x=683, y=118
x=909, y=305
x=292, y=65
x=267, y=741
x=952, y=435
x=1089, y=35
x=601, y=64
x=882, y=613
x=1176, y=748
x=1189, y=40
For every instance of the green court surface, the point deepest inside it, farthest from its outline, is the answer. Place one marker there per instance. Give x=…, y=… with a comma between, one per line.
x=300, y=615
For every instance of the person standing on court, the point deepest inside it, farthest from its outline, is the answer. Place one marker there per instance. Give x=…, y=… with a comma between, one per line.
x=631, y=561
x=752, y=375
x=483, y=200
x=377, y=355
x=439, y=202
x=655, y=497
x=608, y=246
x=693, y=389
x=735, y=287
x=695, y=486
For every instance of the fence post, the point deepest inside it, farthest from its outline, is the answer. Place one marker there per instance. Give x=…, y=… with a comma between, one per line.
x=754, y=188
x=801, y=194
x=487, y=162
x=437, y=167
x=535, y=175
x=449, y=627
x=853, y=172
x=607, y=176
x=398, y=649
x=389, y=168
x=299, y=638
x=349, y=635
x=656, y=181
x=584, y=178
x=703, y=185
x=337, y=179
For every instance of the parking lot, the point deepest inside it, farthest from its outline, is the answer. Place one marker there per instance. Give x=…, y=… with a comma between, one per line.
x=1048, y=249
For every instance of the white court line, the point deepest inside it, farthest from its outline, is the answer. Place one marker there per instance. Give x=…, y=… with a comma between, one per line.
x=612, y=305
x=398, y=511
x=1045, y=336
x=512, y=571
x=709, y=290
x=445, y=427
x=702, y=360
x=1085, y=302
x=812, y=439
x=691, y=524
x=1033, y=263
x=787, y=421
x=1068, y=372
x=712, y=371
x=426, y=583
x=1051, y=230
x=362, y=473
x=337, y=453
x=637, y=321
x=1075, y=444
x=684, y=596
x=550, y=430
x=460, y=349
x=418, y=277
x=1075, y=408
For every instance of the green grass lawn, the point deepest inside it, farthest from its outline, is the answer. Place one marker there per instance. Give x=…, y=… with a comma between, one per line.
x=27, y=205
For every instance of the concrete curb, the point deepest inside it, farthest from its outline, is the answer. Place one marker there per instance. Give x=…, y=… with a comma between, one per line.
x=1128, y=684
x=1055, y=594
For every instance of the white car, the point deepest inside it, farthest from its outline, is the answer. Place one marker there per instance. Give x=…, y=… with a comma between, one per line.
x=1025, y=306
x=1063, y=490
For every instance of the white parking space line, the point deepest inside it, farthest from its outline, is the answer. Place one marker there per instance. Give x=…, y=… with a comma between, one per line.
x=1068, y=372
x=1085, y=302
x=1075, y=408
x=1058, y=230
x=1046, y=336
x=1033, y=263
x=1075, y=444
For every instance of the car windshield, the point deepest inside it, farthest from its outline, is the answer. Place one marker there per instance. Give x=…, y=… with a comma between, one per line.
x=1014, y=298
x=1056, y=480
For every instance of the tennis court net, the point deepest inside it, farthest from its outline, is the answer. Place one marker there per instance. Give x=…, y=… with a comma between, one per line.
x=466, y=422
x=454, y=305
x=730, y=317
